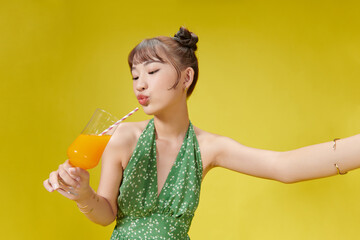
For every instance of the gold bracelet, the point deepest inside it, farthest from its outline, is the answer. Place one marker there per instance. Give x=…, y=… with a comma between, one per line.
x=338, y=170
x=335, y=164
x=86, y=212
x=81, y=208
x=334, y=146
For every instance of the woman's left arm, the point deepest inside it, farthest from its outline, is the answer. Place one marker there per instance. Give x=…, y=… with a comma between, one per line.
x=321, y=160
x=310, y=162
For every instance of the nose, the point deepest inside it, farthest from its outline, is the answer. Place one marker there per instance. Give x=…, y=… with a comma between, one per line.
x=141, y=84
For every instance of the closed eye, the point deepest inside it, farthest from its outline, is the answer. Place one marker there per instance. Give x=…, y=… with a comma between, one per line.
x=152, y=72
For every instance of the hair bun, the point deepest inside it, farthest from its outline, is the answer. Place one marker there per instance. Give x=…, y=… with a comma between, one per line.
x=186, y=38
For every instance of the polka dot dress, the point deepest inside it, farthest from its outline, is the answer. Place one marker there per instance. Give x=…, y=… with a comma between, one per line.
x=142, y=214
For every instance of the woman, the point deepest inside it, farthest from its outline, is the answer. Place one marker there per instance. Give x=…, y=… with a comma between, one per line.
x=152, y=170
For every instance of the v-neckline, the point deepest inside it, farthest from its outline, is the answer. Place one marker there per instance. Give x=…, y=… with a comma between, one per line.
x=172, y=167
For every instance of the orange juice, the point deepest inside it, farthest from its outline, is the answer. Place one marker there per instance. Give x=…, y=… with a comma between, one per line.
x=85, y=152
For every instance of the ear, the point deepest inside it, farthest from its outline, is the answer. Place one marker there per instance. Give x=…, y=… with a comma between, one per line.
x=188, y=77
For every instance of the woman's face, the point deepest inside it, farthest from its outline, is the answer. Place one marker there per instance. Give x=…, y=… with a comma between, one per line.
x=152, y=85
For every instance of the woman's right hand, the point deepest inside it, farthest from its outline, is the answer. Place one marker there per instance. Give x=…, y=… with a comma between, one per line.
x=71, y=182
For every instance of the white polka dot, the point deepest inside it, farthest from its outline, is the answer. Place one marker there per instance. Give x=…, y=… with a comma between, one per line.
x=141, y=212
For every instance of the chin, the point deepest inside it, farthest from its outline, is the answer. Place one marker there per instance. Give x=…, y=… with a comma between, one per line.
x=148, y=110
x=151, y=110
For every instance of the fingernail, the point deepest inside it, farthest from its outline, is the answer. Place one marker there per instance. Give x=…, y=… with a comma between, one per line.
x=78, y=179
x=55, y=186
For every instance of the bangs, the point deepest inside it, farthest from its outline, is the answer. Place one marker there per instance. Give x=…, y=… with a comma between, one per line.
x=154, y=49
x=147, y=50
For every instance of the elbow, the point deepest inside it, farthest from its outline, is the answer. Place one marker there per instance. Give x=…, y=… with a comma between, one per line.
x=289, y=177
x=283, y=171
x=109, y=222
x=105, y=223
x=287, y=180
x=111, y=216
x=283, y=174
x=282, y=177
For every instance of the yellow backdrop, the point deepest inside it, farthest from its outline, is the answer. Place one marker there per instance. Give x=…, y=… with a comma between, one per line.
x=274, y=75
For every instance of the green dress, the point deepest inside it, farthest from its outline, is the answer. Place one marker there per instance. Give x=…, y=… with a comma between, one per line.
x=142, y=214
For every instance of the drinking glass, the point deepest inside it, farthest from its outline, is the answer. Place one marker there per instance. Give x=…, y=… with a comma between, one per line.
x=85, y=152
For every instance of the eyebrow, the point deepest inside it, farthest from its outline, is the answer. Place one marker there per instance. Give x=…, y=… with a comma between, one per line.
x=146, y=63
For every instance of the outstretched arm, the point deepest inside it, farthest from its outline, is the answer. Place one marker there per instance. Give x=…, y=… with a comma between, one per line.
x=316, y=161
x=310, y=162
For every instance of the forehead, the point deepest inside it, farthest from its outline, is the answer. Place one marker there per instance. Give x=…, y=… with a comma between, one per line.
x=133, y=67
x=148, y=50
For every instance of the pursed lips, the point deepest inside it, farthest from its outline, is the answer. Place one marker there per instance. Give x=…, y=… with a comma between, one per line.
x=142, y=99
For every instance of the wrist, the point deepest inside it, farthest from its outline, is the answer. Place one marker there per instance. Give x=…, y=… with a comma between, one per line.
x=86, y=198
x=87, y=205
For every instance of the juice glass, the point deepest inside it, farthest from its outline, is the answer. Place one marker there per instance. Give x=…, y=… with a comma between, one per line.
x=85, y=152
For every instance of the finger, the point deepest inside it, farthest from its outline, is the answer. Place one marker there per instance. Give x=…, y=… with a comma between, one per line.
x=81, y=174
x=69, y=190
x=67, y=164
x=54, y=180
x=67, y=194
x=64, y=185
x=67, y=178
x=74, y=174
x=48, y=186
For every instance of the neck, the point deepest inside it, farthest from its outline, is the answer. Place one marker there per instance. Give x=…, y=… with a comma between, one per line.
x=173, y=124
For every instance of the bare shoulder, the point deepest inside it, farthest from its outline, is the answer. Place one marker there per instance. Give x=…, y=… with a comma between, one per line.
x=124, y=140
x=127, y=131
x=205, y=136
x=208, y=143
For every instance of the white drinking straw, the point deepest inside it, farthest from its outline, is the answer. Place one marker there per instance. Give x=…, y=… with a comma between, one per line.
x=118, y=122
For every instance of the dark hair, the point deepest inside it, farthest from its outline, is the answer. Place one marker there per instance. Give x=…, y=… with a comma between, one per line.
x=179, y=51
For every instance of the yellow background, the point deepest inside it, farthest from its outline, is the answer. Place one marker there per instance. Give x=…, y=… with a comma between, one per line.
x=275, y=75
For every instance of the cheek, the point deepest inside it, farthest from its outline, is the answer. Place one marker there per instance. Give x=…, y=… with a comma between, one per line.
x=169, y=77
x=160, y=86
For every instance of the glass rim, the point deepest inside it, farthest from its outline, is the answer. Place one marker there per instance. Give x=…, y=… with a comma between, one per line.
x=97, y=111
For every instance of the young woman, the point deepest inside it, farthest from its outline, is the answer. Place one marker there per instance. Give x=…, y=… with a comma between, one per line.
x=152, y=170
